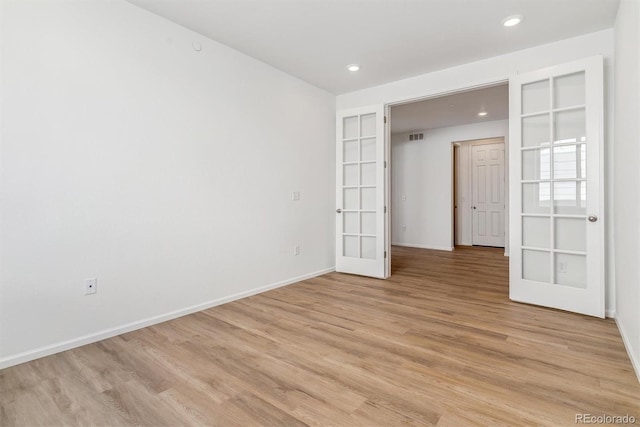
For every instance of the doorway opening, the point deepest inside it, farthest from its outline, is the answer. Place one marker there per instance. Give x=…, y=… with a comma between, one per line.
x=479, y=210
x=448, y=154
x=556, y=193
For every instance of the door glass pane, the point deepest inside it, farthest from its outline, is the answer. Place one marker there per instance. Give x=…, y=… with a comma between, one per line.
x=569, y=161
x=571, y=234
x=350, y=151
x=368, y=125
x=350, y=174
x=368, y=174
x=368, y=247
x=350, y=198
x=569, y=126
x=571, y=270
x=350, y=127
x=368, y=198
x=535, y=97
x=536, y=266
x=582, y=163
x=536, y=164
x=368, y=223
x=570, y=197
x=350, y=246
x=536, y=198
x=536, y=232
x=350, y=222
x=569, y=90
x=535, y=130
x=368, y=149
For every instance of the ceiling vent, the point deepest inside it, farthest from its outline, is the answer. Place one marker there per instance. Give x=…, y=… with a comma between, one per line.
x=416, y=136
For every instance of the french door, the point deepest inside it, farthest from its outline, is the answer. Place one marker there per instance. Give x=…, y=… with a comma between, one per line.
x=556, y=191
x=360, y=192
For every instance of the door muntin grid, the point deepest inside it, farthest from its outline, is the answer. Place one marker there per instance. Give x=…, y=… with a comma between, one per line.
x=553, y=180
x=359, y=217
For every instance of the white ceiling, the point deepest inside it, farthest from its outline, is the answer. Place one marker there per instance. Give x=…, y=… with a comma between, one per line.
x=453, y=110
x=391, y=39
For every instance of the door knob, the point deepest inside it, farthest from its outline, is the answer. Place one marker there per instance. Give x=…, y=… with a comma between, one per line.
x=339, y=210
x=593, y=218
x=473, y=207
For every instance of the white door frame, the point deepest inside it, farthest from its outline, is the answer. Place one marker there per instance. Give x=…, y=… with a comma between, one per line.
x=482, y=141
x=426, y=97
x=387, y=142
x=387, y=190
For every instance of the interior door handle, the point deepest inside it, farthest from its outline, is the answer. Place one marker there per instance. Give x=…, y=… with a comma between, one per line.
x=473, y=207
x=339, y=210
x=593, y=218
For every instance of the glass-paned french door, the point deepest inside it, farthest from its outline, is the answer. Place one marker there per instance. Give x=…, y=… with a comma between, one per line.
x=556, y=189
x=360, y=209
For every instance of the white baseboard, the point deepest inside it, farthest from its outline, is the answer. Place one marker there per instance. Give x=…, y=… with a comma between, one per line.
x=627, y=344
x=413, y=245
x=611, y=314
x=37, y=353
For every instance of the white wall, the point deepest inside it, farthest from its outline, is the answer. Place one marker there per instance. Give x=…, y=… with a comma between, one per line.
x=499, y=69
x=165, y=172
x=422, y=182
x=627, y=175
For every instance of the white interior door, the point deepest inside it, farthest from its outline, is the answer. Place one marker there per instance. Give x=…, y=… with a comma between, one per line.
x=487, y=210
x=556, y=205
x=360, y=191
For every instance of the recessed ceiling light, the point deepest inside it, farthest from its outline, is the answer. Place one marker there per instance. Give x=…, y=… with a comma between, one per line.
x=512, y=21
x=482, y=113
x=353, y=67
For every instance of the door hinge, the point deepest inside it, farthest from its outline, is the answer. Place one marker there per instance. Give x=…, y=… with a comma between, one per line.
x=385, y=254
x=385, y=164
x=385, y=119
x=385, y=209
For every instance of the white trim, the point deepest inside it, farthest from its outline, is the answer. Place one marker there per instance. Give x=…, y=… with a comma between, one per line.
x=503, y=139
x=415, y=245
x=451, y=90
x=37, y=353
x=387, y=190
x=610, y=314
x=627, y=345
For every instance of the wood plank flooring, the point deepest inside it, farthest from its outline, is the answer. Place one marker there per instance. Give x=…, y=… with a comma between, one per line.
x=437, y=344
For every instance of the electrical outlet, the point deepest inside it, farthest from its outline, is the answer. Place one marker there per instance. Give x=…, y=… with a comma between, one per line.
x=563, y=266
x=295, y=196
x=296, y=250
x=90, y=286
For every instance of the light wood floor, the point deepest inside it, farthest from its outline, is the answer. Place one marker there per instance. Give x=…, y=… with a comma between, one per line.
x=437, y=344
